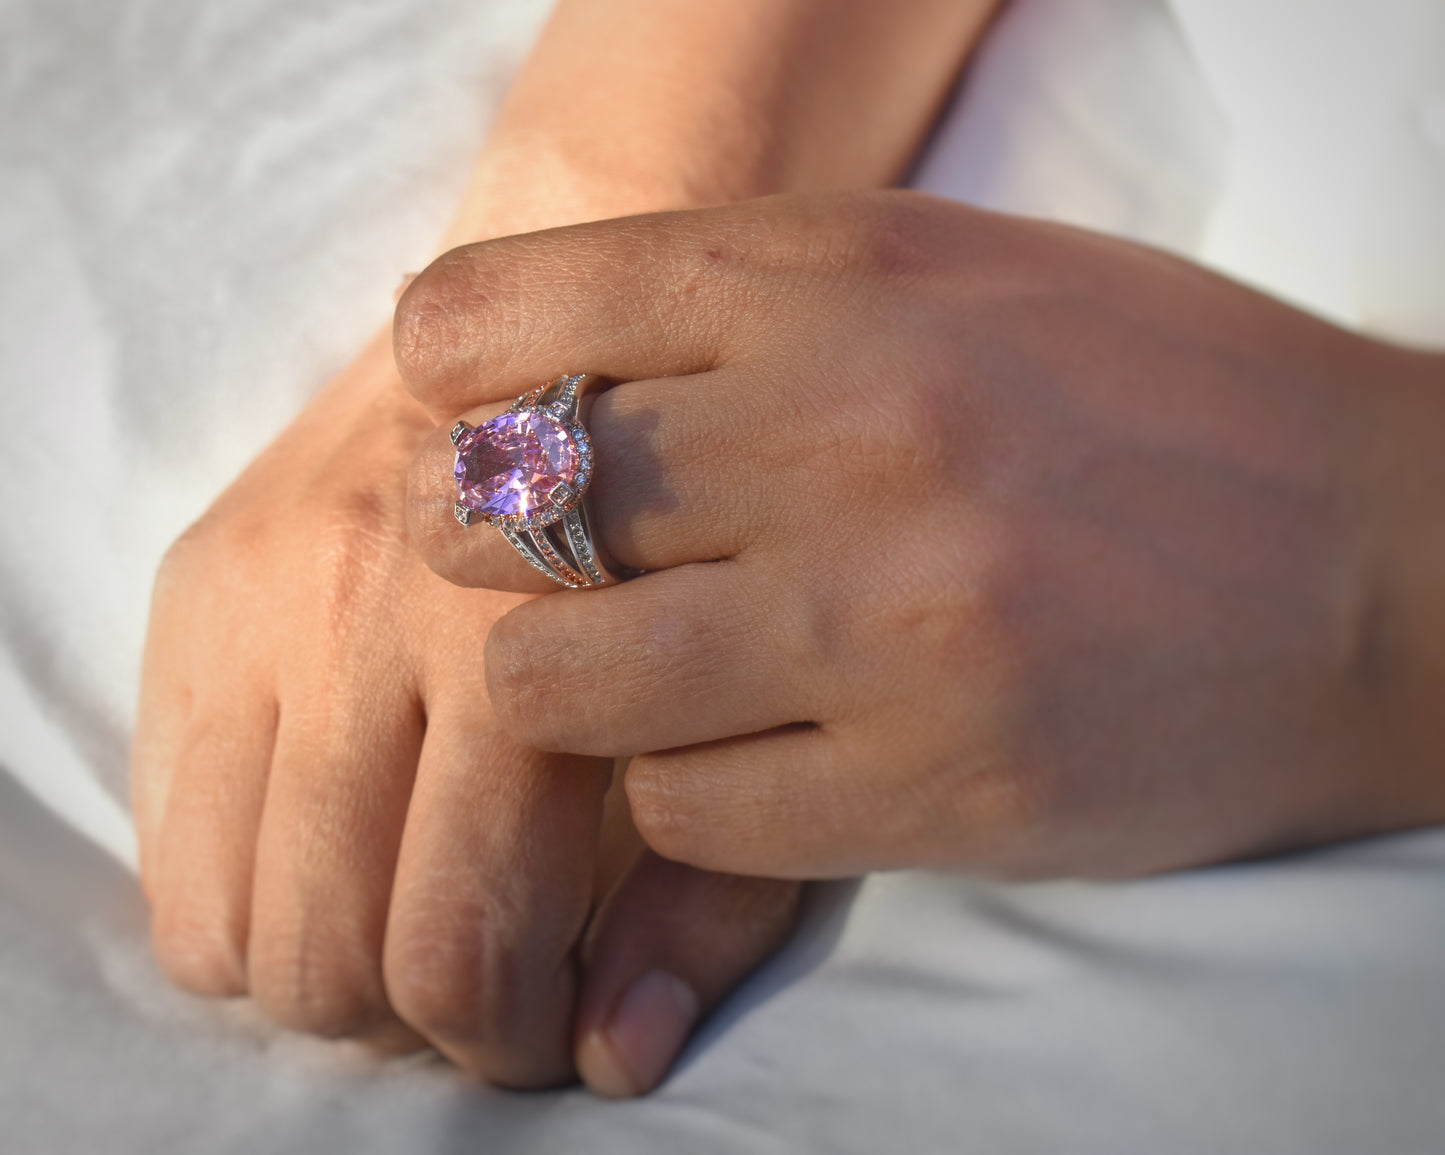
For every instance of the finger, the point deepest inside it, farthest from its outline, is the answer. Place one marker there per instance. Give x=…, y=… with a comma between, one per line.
x=206, y=848
x=164, y=714
x=687, y=469
x=831, y=802
x=160, y=733
x=673, y=658
x=493, y=887
x=618, y=843
x=345, y=758
x=770, y=804
x=669, y=945
x=650, y=296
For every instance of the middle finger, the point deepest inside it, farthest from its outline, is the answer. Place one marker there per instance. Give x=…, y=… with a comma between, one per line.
x=686, y=655
x=493, y=885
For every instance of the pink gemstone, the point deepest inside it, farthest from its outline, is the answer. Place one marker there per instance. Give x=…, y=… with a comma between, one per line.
x=510, y=464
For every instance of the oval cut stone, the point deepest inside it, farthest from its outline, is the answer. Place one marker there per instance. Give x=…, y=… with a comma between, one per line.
x=509, y=465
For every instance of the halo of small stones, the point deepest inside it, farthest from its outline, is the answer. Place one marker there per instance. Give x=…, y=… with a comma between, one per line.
x=537, y=518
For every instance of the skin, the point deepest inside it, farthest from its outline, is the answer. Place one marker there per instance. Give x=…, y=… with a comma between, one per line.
x=971, y=541
x=332, y=819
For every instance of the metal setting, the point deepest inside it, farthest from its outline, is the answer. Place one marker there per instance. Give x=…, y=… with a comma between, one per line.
x=523, y=545
x=553, y=559
x=580, y=537
x=556, y=538
x=563, y=496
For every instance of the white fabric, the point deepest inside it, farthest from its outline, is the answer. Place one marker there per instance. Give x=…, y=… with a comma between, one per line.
x=203, y=211
x=1295, y=144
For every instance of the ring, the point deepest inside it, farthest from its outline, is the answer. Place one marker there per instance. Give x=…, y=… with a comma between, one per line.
x=527, y=472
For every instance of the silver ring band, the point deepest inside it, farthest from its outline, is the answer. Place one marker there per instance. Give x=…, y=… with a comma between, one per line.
x=527, y=472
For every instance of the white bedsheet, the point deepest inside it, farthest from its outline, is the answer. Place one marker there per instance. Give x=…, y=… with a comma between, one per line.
x=203, y=211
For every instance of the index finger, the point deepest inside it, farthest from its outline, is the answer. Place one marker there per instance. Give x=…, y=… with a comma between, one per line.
x=662, y=295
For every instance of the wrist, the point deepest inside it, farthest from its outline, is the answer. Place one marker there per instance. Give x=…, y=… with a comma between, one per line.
x=544, y=178
x=634, y=106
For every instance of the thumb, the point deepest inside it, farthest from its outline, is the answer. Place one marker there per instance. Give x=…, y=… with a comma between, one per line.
x=667, y=946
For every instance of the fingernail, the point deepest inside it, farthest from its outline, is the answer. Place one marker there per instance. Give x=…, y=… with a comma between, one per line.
x=643, y=1036
x=406, y=279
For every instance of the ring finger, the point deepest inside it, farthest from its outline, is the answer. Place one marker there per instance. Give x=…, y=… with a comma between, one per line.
x=688, y=469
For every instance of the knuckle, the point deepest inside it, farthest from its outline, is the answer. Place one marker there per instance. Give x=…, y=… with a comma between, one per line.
x=211, y=544
x=359, y=517
x=423, y=331
x=178, y=560
x=199, y=949
x=665, y=823
x=215, y=566
x=357, y=550
x=306, y=987
x=448, y=981
x=882, y=237
x=458, y=305
x=524, y=680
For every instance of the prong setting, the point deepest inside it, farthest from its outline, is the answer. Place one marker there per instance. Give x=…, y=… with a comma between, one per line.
x=462, y=513
x=459, y=430
x=562, y=495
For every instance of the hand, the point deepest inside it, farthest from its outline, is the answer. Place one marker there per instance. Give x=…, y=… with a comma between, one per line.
x=313, y=716
x=972, y=540
x=331, y=820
